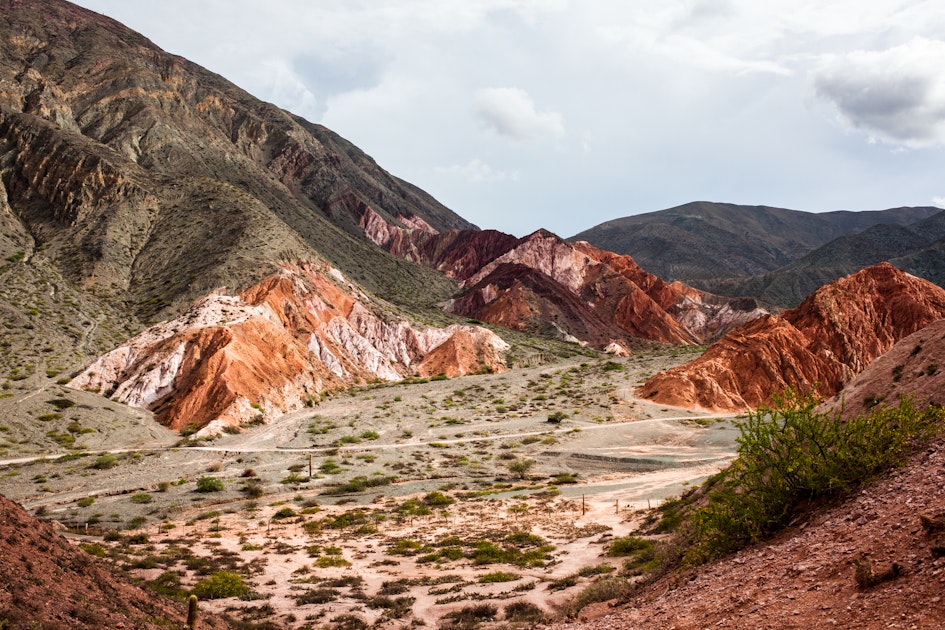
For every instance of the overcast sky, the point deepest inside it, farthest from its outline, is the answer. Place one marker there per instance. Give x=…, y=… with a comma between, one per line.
x=520, y=114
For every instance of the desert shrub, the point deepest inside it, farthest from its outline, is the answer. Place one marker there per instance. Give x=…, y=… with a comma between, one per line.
x=285, y=512
x=629, y=546
x=438, y=499
x=498, y=576
x=85, y=501
x=557, y=416
x=219, y=585
x=209, y=484
x=104, y=462
x=524, y=612
x=471, y=616
x=788, y=453
x=141, y=497
x=603, y=590
x=316, y=596
x=520, y=467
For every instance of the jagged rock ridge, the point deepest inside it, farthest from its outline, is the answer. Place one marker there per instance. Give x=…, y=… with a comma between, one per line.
x=543, y=283
x=821, y=345
x=297, y=333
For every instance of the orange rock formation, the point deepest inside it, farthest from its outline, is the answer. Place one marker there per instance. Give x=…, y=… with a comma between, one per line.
x=820, y=345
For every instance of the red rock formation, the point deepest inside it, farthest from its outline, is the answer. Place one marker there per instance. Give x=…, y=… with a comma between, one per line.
x=543, y=283
x=295, y=334
x=833, y=335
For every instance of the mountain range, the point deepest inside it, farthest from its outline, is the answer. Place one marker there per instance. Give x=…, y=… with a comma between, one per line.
x=171, y=243
x=776, y=255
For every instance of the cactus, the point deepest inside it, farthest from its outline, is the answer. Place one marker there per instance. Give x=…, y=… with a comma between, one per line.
x=191, y=613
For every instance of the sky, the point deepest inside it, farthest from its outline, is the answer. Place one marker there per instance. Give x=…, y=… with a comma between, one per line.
x=558, y=114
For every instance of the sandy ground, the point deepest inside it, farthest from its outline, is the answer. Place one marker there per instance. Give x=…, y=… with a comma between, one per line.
x=610, y=453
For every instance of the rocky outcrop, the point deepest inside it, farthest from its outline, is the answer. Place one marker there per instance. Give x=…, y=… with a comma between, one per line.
x=833, y=335
x=283, y=341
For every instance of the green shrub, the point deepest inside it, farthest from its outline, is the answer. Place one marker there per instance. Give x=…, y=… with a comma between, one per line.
x=219, y=585
x=104, y=462
x=285, y=512
x=141, y=497
x=85, y=501
x=790, y=453
x=209, y=484
x=498, y=576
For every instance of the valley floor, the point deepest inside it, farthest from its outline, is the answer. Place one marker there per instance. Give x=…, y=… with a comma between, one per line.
x=395, y=504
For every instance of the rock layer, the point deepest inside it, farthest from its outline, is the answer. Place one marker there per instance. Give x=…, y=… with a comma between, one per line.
x=545, y=284
x=833, y=335
x=299, y=332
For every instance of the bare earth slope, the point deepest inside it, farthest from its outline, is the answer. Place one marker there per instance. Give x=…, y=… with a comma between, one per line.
x=914, y=367
x=49, y=583
x=832, y=336
x=804, y=576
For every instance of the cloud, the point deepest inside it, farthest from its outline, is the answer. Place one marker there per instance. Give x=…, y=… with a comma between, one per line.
x=512, y=113
x=939, y=201
x=477, y=171
x=895, y=95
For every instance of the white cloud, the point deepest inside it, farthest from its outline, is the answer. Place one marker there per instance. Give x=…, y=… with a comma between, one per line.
x=512, y=113
x=476, y=171
x=939, y=201
x=896, y=95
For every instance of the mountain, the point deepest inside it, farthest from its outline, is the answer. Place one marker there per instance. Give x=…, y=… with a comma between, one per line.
x=820, y=345
x=706, y=241
x=915, y=247
x=50, y=583
x=133, y=181
x=542, y=283
x=913, y=367
x=275, y=347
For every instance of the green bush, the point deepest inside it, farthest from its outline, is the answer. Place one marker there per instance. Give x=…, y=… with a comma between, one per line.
x=209, y=484
x=141, y=497
x=789, y=453
x=219, y=585
x=104, y=462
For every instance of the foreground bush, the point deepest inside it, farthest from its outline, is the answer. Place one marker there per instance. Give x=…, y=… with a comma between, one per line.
x=791, y=453
x=219, y=585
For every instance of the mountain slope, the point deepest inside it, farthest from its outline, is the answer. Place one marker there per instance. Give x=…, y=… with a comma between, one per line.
x=50, y=584
x=914, y=367
x=275, y=347
x=915, y=248
x=142, y=181
x=804, y=577
x=832, y=336
x=704, y=240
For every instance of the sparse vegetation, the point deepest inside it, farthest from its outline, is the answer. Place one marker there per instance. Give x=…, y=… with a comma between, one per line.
x=789, y=452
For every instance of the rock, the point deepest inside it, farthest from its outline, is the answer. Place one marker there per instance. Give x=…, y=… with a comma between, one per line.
x=833, y=335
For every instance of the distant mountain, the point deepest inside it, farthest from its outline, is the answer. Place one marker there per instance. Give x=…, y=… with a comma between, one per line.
x=822, y=344
x=541, y=283
x=915, y=247
x=707, y=241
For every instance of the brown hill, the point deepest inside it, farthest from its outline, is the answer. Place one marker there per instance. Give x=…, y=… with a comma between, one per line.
x=276, y=345
x=804, y=577
x=913, y=367
x=832, y=336
x=133, y=181
x=48, y=583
